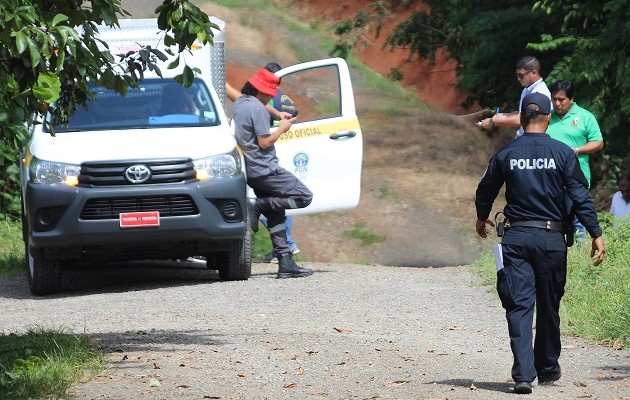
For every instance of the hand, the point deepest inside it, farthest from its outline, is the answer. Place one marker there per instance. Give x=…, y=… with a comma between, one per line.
x=598, y=251
x=284, y=115
x=487, y=123
x=285, y=124
x=481, y=228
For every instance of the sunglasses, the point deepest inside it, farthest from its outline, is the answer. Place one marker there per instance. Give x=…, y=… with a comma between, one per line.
x=520, y=76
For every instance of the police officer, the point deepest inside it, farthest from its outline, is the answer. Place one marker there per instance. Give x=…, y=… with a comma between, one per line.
x=539, y=172
x=276, y=188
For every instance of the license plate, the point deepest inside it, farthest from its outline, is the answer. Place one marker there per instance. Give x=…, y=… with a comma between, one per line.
x=139, y=219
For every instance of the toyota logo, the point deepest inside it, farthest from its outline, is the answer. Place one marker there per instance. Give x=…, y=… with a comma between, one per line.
x=138, y=173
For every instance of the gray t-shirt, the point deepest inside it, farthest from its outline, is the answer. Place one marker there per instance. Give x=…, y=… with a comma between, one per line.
x=251, y=119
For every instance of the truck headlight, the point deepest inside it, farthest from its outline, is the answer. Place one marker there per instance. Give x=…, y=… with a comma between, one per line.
x=49, y=172
x=223, y=165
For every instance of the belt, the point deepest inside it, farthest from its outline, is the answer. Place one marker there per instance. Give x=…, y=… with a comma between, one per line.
x=556, y=226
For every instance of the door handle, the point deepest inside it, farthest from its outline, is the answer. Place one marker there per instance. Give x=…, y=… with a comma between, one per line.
x=343, y=134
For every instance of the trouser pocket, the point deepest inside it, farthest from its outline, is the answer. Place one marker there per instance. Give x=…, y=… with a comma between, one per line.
x=504, y=286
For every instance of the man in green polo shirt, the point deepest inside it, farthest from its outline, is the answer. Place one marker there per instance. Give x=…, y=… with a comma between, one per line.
x=575, y=126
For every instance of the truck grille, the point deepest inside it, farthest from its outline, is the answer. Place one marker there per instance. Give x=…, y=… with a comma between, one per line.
x=113, y=173
x=110, y=208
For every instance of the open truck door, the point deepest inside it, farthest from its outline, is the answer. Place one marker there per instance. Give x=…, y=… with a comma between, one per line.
x=324, y=147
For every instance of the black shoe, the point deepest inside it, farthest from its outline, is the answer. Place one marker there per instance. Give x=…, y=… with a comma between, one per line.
x=549, y=379
x=523, y=388
x=270, y=258
x=287, y=268
x=253, y=214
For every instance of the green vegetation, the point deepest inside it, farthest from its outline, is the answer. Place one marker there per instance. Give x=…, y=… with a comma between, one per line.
x=596, y=303
x=43, y=363
x=580, y=40
x=45, y=64
x=39, y=363
x=261, y=244
x=361, y=232
x=11, y=248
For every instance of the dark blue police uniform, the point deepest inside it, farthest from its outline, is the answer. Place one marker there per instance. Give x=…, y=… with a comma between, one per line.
x=539, y=173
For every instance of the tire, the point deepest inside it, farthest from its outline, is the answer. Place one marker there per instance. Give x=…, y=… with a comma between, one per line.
x=44, y=274
x=236, y=264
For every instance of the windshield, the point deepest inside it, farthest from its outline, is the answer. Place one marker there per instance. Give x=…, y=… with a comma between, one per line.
x=155, y=103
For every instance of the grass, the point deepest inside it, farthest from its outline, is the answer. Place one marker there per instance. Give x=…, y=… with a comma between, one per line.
x=11, y=248
x=43, y=363
x=596, y=304
x=39, y=363
x=361, y=232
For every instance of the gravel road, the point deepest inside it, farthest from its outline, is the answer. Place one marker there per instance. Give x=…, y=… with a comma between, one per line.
x=347, y=332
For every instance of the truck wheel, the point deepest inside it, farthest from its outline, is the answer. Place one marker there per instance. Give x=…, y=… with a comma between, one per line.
x=236, y=264
x=44, y=274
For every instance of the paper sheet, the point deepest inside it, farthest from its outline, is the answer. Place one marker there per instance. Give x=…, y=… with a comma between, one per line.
x=497, y=250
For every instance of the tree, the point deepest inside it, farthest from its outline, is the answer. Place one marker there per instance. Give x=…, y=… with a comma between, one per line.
x=49, y=50
x=586, y=41
x=594, y=48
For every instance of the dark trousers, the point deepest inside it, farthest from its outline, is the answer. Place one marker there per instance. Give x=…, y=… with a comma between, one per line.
x=279, y=192
x=534, y=273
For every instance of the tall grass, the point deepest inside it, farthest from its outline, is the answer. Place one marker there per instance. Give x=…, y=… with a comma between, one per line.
x=596, y=304
x=44, y=363
x=11, y=248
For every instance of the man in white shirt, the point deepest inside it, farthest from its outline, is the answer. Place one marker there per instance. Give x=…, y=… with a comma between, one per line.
x=528, y=75
x=620, y=205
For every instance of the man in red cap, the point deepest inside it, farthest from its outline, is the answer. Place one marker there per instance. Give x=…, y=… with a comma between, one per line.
x=276, y=188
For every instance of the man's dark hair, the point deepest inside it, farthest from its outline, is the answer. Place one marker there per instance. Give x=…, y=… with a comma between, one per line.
x=273, y=67
x=249, y=89
x=529, y=63
x=563, y=85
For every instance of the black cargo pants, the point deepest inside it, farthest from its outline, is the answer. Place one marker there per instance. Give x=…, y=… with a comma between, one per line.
x=534, y=272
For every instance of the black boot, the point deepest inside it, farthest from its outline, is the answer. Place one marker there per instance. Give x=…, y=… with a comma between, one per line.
x=287, y=268
x=254, y=209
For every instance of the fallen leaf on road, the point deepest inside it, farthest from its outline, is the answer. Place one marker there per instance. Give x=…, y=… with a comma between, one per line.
x=155, y=366
x=242, y=374
x=342, y=330
x=580, y=384
x=154, y=383
x=456, y=328
x=183, y=386
x=290, y=385
x=300, y=371
x=397, y=383
x=125, y=357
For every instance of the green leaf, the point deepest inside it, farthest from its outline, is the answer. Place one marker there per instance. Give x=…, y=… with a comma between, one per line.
x=174, y=64
x=21, y=41
x=59, y=18
x=47, y=88
x=34, y=52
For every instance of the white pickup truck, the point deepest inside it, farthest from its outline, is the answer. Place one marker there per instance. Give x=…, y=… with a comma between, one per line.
x=157, y=174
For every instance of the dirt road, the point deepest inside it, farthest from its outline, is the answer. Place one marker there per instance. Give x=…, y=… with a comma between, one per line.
x=347, y=332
